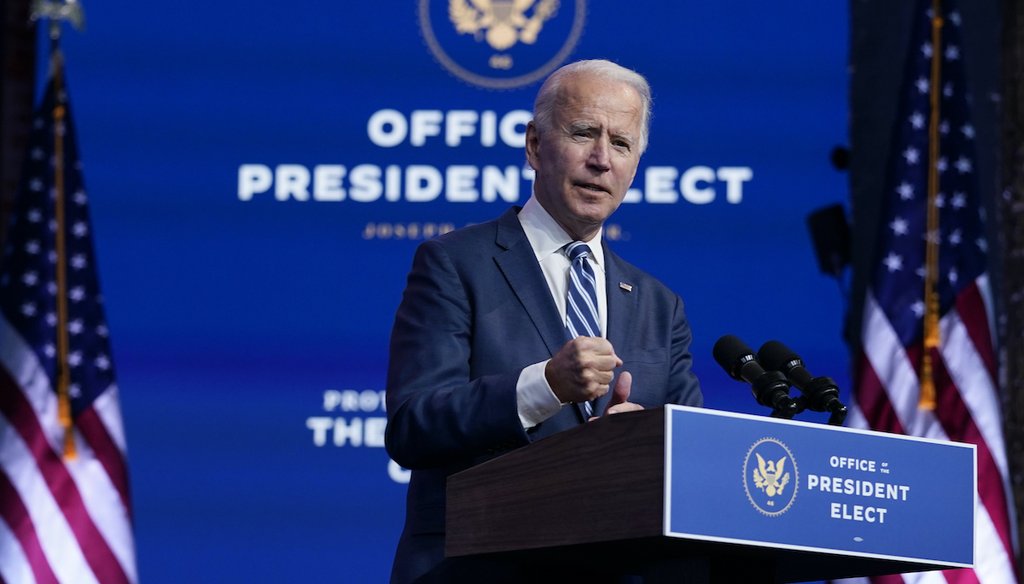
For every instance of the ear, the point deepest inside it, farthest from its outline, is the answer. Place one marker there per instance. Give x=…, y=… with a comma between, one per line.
x=532, y=144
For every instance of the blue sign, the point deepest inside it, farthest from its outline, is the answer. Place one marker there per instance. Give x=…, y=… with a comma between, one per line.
x=802, y=486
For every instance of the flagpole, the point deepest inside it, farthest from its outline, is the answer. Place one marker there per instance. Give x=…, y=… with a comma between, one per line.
x=931, y=341
x=63, y=370
x=57, y=12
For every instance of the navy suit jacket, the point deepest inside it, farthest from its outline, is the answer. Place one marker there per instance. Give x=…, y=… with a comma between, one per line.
x=476, y=311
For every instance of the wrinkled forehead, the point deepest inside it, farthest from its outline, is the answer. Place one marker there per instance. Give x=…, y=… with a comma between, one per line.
x=586, y=98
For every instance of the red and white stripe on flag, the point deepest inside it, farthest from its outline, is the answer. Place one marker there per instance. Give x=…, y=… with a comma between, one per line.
x=60, y=521
x=967, y=411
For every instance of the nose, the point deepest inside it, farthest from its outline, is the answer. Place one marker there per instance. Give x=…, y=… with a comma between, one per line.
x=600, y=155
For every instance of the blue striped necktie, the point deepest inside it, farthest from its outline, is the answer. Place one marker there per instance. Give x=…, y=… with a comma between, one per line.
x=581, y=299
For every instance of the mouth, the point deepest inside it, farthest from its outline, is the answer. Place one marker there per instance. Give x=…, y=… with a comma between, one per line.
x=593, y=187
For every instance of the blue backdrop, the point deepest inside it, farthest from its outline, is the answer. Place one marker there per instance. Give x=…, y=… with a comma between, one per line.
x=260, y=175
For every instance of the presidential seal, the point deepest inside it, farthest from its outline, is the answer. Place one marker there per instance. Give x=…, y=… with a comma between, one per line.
x=770, y=477
x=501, y=44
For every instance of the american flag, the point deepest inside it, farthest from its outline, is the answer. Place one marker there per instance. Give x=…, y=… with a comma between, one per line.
x=65, y=514
x=891, y=369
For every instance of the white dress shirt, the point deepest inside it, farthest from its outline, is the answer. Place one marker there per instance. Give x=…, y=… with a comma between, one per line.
x=536, y=401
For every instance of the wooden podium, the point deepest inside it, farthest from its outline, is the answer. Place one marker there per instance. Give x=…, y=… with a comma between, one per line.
x=682, y=494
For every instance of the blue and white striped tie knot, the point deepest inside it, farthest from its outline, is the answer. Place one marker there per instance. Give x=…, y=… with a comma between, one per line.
x=577, y=250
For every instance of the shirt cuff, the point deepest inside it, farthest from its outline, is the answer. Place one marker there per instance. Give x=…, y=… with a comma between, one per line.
x=534, y=398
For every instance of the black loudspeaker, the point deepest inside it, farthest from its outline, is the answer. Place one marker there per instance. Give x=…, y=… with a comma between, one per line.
x=830, y=234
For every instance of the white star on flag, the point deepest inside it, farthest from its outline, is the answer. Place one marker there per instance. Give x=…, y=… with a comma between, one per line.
x=899, y=226
x=893, y=262
x=918, y=308
x=963, y=165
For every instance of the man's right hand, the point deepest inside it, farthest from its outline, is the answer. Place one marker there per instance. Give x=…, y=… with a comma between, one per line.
x=582, y=369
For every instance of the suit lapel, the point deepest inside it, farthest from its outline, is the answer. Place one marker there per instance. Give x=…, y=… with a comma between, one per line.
x=518, y=264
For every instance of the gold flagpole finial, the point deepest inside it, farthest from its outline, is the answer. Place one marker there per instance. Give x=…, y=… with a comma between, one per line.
x=56, y=12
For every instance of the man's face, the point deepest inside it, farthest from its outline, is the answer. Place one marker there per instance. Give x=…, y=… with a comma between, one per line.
x=586, y=161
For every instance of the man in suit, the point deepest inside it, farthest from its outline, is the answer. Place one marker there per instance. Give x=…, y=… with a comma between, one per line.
x=482, y=360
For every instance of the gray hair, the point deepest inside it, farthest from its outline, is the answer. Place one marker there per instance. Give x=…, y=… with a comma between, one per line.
x=544, y=106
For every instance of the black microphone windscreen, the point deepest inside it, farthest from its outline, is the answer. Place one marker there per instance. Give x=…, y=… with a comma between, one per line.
x=729, y=352
x=774, y=356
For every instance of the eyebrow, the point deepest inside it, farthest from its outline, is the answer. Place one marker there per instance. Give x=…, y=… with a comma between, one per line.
x=574, y=126
x=582, y=125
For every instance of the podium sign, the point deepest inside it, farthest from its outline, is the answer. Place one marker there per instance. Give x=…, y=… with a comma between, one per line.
x=751, y=499
x=784, y=484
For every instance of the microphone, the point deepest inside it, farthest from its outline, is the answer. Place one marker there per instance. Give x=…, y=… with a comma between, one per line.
x=819, y=393
x=770, y=388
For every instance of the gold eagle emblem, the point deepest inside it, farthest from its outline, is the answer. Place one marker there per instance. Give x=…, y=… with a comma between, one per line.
x=770, y=476
x=502, y=23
